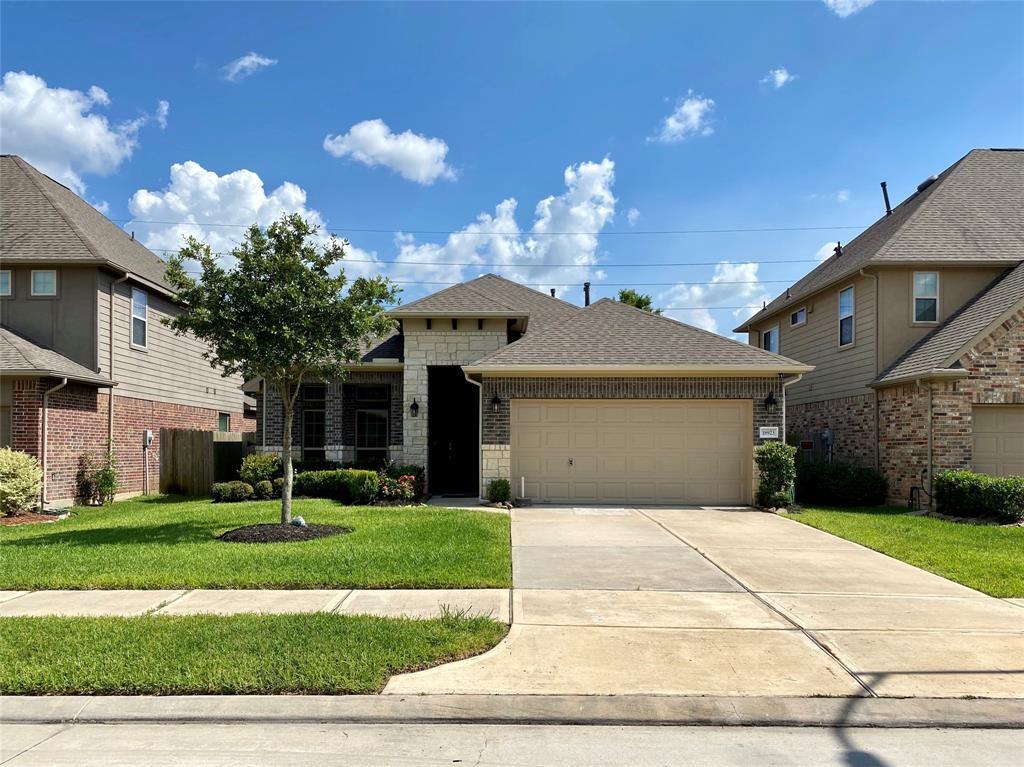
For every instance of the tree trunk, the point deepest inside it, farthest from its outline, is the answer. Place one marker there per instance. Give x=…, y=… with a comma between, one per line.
x=286, y=461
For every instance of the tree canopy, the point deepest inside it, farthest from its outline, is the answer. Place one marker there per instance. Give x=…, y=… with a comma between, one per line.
x=637, y=299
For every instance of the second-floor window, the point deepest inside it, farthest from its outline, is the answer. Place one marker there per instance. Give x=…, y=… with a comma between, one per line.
x=846, y=316
x=140, y=317
x=44, y=282
x=926, y=296
x=5, y=282
x=799, y=317
x=770, y=339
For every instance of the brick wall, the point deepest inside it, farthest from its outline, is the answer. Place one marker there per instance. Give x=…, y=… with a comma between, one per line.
x=851, y=419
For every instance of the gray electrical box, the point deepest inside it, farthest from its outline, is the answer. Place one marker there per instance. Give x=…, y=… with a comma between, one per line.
x=147, y=438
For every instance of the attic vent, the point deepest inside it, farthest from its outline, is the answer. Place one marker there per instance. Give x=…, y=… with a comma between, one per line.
x=927, y=183
x=838, y=250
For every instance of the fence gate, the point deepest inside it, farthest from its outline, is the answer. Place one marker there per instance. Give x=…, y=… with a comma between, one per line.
x=191, y=461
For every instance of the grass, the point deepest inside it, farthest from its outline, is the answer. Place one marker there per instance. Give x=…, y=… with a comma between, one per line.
x=170, y=542
x=984, y=557
x=315, y=653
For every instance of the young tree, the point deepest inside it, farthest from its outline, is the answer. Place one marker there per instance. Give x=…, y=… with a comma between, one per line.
x=278, y=314
x=639, y=300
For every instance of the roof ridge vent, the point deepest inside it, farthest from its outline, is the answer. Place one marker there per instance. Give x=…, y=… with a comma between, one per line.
x=927, y=183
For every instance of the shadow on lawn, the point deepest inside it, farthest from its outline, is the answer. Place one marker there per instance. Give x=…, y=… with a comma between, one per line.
x=189, y=531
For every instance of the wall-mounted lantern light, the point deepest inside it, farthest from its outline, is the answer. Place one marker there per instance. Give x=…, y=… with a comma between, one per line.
x=414, y=408
x=495, y=403
x=770, y=403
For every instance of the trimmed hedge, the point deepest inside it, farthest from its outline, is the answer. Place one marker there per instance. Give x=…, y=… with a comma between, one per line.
x=264, y=490
x=775, y=468
x=260, y=467
x=839, y=484
x=345, y=485
x=966, y=494
x=231, y=492
x=499, y=491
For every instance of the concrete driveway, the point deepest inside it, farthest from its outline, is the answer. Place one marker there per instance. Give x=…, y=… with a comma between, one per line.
x=701, y=601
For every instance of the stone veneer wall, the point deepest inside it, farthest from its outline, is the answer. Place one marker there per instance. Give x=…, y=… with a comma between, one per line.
x=995, y=376
x=439, y=346
x=851, y=419
x=497, y=428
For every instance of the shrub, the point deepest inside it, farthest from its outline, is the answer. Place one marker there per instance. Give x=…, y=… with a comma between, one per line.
x=301, y=467
x=260, y=467
x=86, y=485
x=499, y=491
x=345, y=485
x=231, y=492
x=264, y=490
x=966, y=494
x=21, y=481
x=776, y=468
x=839, y=484
x=107, y=482
x=402, y=488
x=278, y=487
x=395, y=471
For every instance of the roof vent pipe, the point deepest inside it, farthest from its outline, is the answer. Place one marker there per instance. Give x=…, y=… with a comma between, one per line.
x=927, y=183
x=885, y=196
x=838, y=249
x=552, y=292
x=586, y=294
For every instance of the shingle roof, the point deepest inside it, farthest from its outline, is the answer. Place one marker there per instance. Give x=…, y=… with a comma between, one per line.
x=612, y=334
x=390, y=347
x=42, y=220
x=493, y=295
x=940, y=349
x=21, y=355
x=971, y=213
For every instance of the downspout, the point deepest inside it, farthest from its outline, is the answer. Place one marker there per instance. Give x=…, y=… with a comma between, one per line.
x=110, y=366
x=879, y=325
x=480, y=434
x=786, y=383
x=929, y=468
x=263, y=413
x=42, y=456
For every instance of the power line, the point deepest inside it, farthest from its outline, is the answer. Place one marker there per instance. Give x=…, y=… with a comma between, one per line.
x=631, y=232
x=599, y=284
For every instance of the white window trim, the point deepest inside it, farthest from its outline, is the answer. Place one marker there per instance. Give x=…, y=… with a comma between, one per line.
x=852, y=315
x=10, y=282
x=914, y=297
x=131, y=321
x=32, y=283
x=796, y=311
x=778, y=339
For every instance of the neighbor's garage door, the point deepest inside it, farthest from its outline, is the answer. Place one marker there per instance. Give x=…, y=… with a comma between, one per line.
x=999, y=439
x=633, y=451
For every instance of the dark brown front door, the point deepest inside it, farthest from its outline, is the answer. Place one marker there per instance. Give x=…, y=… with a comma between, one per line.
x=453, y=431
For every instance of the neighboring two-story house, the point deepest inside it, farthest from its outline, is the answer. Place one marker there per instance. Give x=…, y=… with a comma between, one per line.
x=490, y=379
x=916, y=332
x=84, y=357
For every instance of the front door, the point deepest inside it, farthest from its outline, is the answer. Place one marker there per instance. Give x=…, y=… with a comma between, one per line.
x=453, y=423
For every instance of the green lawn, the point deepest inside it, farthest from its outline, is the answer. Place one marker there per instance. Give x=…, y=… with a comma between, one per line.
x=169, y=542
x=984, y=557
x=242, y=654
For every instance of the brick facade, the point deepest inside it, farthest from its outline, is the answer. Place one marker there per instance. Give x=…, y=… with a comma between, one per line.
x=939, y=413
x=852, y=422
x=77, y=424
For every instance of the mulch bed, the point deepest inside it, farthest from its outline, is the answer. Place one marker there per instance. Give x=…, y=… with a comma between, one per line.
x=278, y=533
x=31, y=518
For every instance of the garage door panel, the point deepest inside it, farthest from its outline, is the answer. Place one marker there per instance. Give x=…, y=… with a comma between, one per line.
x=669, y=451
x=998, y=439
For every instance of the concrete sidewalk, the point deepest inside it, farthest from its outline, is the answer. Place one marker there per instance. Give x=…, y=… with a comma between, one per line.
x=729, y=603
x=390, y=603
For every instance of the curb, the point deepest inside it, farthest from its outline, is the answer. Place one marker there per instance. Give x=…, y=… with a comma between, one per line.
x=623, y=710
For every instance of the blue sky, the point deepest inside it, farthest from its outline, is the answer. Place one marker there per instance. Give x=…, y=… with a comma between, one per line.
x=692, y=116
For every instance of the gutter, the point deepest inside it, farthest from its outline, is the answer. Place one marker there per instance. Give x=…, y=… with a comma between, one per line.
x=638, y=370
x=935, y=374
x=480, y=434
x=42, y=452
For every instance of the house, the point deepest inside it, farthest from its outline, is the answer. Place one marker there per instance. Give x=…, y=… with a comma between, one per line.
x=84, y=356
x=489, y=379
x=916, y=333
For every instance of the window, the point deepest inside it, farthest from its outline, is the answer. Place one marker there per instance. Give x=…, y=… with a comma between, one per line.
x=770, y=339
x=314, y=394
x=314, y=435
x=44, y=282
x=223, y=422
x=5, y=282
x=372, y=393
x=799, y=317
x=140, y=317
x=846, y=316
x=371, y=438
x=926, y=296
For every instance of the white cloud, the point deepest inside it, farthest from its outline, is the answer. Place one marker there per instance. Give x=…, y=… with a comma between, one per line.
x=59, y=131
x=844, y=8
x=372, y=143
x=826, y=251
x=632, y=216
x=102, y=206
x=239, y=69
x=843, y=195
x=202, y=198
x=559, y=247
x=731, y=285
x=778, y=77
x=691, y=117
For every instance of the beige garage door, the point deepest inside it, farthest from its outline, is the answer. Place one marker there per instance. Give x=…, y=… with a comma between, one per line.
x=633, y=451
x=999, y=439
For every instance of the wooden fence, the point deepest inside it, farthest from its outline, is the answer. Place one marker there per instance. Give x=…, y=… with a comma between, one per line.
x=191, y=461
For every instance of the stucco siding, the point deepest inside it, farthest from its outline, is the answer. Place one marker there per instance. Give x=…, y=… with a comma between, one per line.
x=171, y=368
